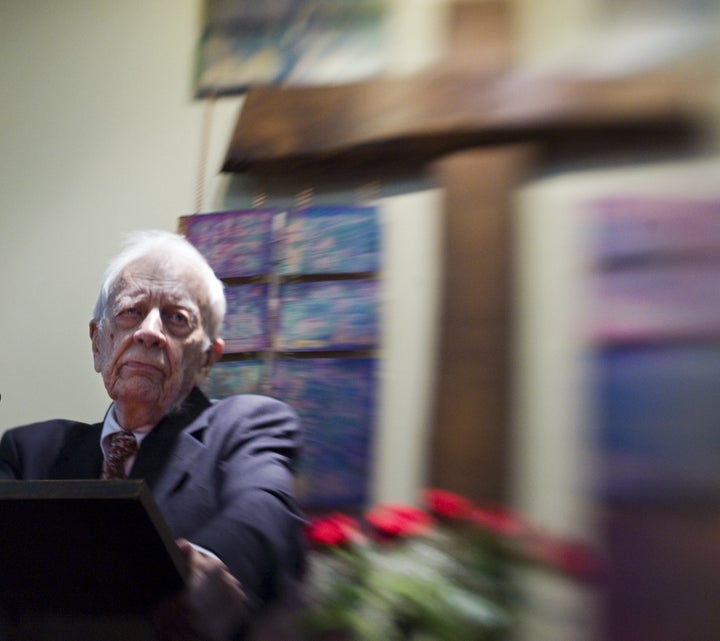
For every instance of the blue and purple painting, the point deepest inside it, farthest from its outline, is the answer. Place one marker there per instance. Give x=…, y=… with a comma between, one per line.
x=235, y=243
x=328, y=315
x=340, y=239
x=335, y=398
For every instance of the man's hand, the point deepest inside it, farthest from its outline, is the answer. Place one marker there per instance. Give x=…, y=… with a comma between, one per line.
x=211, y=608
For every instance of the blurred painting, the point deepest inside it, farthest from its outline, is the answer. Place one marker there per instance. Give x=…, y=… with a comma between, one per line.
x=630, y=229
x=657, y=407
x=335, y=400
x=665, y=301
x=235, y=243
x=247, y=43
x=235, y=377
x=330, y=240
x=655, y=371
x=655, y=326
x=328, y=315
x=245, y=328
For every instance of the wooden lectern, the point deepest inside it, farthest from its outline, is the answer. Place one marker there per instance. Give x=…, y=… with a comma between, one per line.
x=83, y=560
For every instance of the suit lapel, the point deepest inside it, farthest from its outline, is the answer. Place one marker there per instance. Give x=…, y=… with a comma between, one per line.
x=80, y=456
x=167, y=439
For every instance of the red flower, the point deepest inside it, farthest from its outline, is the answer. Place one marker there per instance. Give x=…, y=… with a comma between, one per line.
x=332, y=530
x=398, y=520
x=447, y=505
x=572, y=558
x=500, y=521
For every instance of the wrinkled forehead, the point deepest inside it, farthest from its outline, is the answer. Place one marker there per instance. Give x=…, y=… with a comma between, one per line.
x=162, y=277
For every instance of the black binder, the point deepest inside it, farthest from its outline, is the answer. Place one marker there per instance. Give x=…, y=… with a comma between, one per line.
x=84, y=548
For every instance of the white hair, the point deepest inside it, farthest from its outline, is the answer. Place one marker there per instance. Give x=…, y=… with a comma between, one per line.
x=143, y=243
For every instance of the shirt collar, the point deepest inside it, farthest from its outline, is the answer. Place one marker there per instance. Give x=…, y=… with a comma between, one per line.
x=110, y=426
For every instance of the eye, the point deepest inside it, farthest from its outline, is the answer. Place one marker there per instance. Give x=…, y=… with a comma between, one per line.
x=129, y=311
x=178, y=318
x=128, y=315
x=178, y=321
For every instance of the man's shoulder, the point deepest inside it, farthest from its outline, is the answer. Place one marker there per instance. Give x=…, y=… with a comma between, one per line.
x=54, y=423
x=255, y=423
x=50, y=427
x=253, y=408
x=248, y=402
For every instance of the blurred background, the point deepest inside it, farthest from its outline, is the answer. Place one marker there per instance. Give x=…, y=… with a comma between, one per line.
x=610, y=433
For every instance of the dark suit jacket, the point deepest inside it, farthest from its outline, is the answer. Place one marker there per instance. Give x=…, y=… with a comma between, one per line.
x=221, y=473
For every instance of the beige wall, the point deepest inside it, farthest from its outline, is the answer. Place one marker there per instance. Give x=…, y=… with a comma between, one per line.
x=98, y=136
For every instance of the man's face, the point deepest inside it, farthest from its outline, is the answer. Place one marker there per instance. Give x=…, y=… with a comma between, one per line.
x=150, y=347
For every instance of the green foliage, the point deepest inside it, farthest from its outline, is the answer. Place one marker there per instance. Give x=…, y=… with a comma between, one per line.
x=409, y=575
x=412, y=588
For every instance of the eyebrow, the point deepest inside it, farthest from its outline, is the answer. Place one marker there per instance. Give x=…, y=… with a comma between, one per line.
x=166, y=299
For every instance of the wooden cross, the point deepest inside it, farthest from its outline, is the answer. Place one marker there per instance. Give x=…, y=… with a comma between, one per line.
x=481, y=129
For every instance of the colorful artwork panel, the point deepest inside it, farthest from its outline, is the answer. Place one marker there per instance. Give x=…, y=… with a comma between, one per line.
x=328, y=315
x=248, y=43
x=235, y=243
x=656, y=301
x=245, y=328
x=234, y=377
x=330, y=240
x=657, y=409
x=335, y=401
x=636, y=228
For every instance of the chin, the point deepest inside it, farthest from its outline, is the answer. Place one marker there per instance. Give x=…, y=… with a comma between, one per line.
x=140, y=394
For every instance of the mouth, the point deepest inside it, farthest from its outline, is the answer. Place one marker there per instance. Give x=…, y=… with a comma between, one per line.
x=140, y=366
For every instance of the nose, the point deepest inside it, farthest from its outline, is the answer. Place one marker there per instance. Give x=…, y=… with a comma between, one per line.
x=151, y=332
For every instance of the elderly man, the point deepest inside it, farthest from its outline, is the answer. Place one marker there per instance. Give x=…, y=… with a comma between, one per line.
x=221, y=472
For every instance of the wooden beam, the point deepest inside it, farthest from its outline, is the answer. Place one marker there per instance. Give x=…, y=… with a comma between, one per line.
x=416, y=120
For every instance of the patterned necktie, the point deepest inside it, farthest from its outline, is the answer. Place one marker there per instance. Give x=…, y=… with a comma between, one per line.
x=122, y=446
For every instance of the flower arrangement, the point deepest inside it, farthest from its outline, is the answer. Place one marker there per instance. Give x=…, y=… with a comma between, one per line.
x=442, y=573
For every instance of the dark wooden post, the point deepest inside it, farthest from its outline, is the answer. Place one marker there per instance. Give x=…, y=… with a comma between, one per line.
x=469, y=452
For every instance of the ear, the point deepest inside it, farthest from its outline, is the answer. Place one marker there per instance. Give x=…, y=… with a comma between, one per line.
x=214, y=352
x=212, y=356
x=95, y=341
